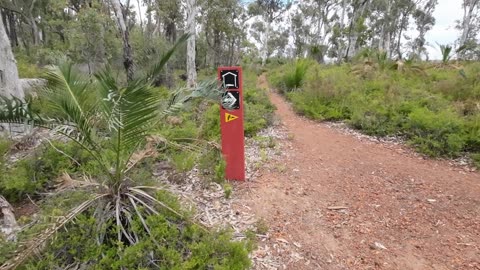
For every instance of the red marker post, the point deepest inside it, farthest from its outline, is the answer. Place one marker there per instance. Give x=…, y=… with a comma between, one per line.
x=231, y=122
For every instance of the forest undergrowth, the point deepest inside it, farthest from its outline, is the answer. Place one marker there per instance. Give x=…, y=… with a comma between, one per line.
x=434, y=106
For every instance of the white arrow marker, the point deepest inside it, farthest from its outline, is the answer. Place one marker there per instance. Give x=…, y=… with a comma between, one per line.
x=229, y=101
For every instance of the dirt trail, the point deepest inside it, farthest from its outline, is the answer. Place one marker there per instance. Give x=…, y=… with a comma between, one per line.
x=347, y=203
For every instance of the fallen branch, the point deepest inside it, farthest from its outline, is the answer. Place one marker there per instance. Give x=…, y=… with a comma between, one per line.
x=333, y=208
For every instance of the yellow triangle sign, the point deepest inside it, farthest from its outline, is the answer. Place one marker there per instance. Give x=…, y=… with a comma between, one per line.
x=230, y=117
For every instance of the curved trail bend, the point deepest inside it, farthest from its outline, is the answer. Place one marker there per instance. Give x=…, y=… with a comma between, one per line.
x=345, y=203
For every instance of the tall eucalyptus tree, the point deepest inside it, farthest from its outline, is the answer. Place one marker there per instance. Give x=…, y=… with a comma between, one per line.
x=469, y=26
x=191, y=28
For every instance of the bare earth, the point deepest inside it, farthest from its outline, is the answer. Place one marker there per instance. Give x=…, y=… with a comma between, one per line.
x=346, y=203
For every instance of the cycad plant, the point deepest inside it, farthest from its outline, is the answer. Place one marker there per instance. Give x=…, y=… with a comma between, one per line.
x=448, y=53
x=111, y=122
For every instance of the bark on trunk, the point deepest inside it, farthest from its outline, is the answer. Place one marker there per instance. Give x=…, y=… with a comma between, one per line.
x=469, y=7
x=127, y=48
x=342, y=25
x=13, y=29
x=191, y=26
x=9, y=226
x=265, y=43
x=353, y=34
x=35, y=33
x=9, y=81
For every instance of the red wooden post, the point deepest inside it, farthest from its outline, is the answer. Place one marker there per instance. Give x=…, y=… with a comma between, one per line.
x=231, y=122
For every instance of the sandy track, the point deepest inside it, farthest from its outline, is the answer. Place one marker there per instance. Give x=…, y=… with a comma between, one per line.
x=347, y=203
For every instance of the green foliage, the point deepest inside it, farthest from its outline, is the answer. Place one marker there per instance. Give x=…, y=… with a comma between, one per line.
x=476, y=159
x=212, y=165
x=436, y=110
x=173, y=243
x=435, y=133
x=38, y=172
x=4, y=147
x=27, y=69
x=183, y=161
x=259, y=111
x=110, y=121
x=210, y=127
x=294, y=77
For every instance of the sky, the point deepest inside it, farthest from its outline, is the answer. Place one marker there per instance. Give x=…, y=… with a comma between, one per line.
x=444, y=32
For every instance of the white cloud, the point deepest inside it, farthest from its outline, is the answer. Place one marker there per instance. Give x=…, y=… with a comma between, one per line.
x=446, y=14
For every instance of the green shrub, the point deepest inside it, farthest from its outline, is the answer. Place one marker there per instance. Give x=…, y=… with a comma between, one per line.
x=472, y=136
x=39, y=171
x=436, y=109
x=476, y=160
x=4, y=147
x=435, y=133
x=259, y=111
x=210, y=126
x=174, y=244
x=27, y=69
x=295, y=76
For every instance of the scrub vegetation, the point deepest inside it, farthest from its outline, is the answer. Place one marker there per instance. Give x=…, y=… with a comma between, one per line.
x=433, y=106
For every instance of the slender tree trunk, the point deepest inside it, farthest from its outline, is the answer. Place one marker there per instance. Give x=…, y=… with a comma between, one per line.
x=265, y=42
x=5, y=22
x=149, y=28
x=353, y=33
x=191, y=26
x=9, y=81
x=469, y=7
x=127, y=48
x=33, y=24
x=140, y=15
x=35, y=31
x=342, y=26
x=467, y=17
x=13, y=29
x=216, y=49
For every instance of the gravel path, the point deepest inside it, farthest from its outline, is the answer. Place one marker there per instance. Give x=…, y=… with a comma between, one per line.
x=337, y=201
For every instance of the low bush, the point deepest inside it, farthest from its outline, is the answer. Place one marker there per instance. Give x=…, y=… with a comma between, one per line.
x=436, y=109
x=435, y=133
x=173, y=242
x=38, y=172
x=295, y=77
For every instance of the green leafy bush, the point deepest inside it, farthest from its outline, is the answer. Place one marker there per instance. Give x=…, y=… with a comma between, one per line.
x=39, y=171
x=436, y=109
x=259, y=111
x=295, y=76
x=435, y=133
x=173, y=243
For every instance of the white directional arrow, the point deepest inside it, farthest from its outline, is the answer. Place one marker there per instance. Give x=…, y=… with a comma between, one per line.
x=229, y=101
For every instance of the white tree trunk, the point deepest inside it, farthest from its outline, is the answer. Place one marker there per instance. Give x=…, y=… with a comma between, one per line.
x=468, y=9
x=191, y=26
x=9, y=81
x=264, y=51
x=127, y=49
x=353, y=38
x=341, y=49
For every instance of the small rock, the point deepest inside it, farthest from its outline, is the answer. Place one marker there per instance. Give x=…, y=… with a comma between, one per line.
x=377, y=246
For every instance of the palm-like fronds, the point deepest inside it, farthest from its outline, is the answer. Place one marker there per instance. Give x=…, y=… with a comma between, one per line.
x=153, y=73
x=129, y=113
x=446, y=51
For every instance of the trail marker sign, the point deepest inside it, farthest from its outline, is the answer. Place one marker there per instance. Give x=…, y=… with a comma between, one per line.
x=231, y=122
